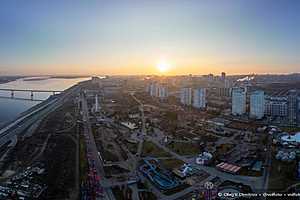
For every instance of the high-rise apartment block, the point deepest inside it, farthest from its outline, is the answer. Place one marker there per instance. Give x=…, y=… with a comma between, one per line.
x=292, y=107
x=257, y=104
x=276, y=106
x=158, y=90
x=162, y=91
x=238, y=101
x=199, y=98
x=186, y=96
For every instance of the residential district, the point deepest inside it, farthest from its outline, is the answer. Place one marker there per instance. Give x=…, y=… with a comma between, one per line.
x=158, y=137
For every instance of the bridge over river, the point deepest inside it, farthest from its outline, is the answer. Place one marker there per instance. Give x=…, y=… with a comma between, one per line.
x=31, y=91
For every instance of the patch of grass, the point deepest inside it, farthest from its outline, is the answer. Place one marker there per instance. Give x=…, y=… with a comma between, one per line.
x=179, y=188
x=131, y=147
x=184, y=148
x=82, y=160
x=148, y=195
x=150, y=149
x=109, y=156
x=224, y=149
x=246, y=172
x=121, y=194
x=282, y=175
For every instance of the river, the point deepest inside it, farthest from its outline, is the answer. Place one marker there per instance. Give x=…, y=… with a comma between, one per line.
x=11, y=108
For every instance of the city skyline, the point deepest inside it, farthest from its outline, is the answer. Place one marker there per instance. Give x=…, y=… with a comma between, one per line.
x=149, y=99
x=149, y=37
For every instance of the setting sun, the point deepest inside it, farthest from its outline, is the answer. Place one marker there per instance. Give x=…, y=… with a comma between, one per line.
x=163, y=66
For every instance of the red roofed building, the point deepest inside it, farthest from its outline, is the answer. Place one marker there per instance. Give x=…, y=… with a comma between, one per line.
x=226, y=167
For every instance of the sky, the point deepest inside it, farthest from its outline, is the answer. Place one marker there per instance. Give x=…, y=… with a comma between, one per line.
x=96, y=37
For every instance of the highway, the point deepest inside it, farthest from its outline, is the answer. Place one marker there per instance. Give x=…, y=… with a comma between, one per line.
x=143, y=132
x=42, y=110
x=25, y=121
x=16, y=122
x=267, y=169
x=39, y=112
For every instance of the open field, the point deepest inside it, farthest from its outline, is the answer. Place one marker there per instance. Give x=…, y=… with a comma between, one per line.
x=184, y=148
x=171, y=163
x=282, y=175
x=150, y=149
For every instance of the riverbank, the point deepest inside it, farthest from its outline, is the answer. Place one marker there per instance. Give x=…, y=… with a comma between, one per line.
x=7, y=79
x=11, y=108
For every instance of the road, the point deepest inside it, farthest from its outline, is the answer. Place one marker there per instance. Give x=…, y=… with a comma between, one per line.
x=143, y=132
x=91, y=145
x=30, y=118
x=6, y=129
x=256, y=183
x=267, y=168
x=253, y=182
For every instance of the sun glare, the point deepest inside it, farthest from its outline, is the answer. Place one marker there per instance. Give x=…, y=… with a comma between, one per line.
x=163, y=66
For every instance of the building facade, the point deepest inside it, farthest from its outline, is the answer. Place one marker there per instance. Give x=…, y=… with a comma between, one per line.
x=223, y=76
x=153, y=89
x=292, y=107
x=162, y=91
x=224, y=92
x=257, y=104
x=276, y=106
x=186, y=96
x=199, y=98
x=238, y=101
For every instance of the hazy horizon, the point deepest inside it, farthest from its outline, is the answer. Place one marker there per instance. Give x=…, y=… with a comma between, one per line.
x=134, y=37
x=166, y=75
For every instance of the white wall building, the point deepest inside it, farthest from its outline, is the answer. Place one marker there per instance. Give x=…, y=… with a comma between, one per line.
x=292, y=107
x=97, y=106
x=238, y=101
x=162, y=91
x=257, y=104
x=276, y=106
x=199, y=98
x=186, y=96
x=154, y=89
